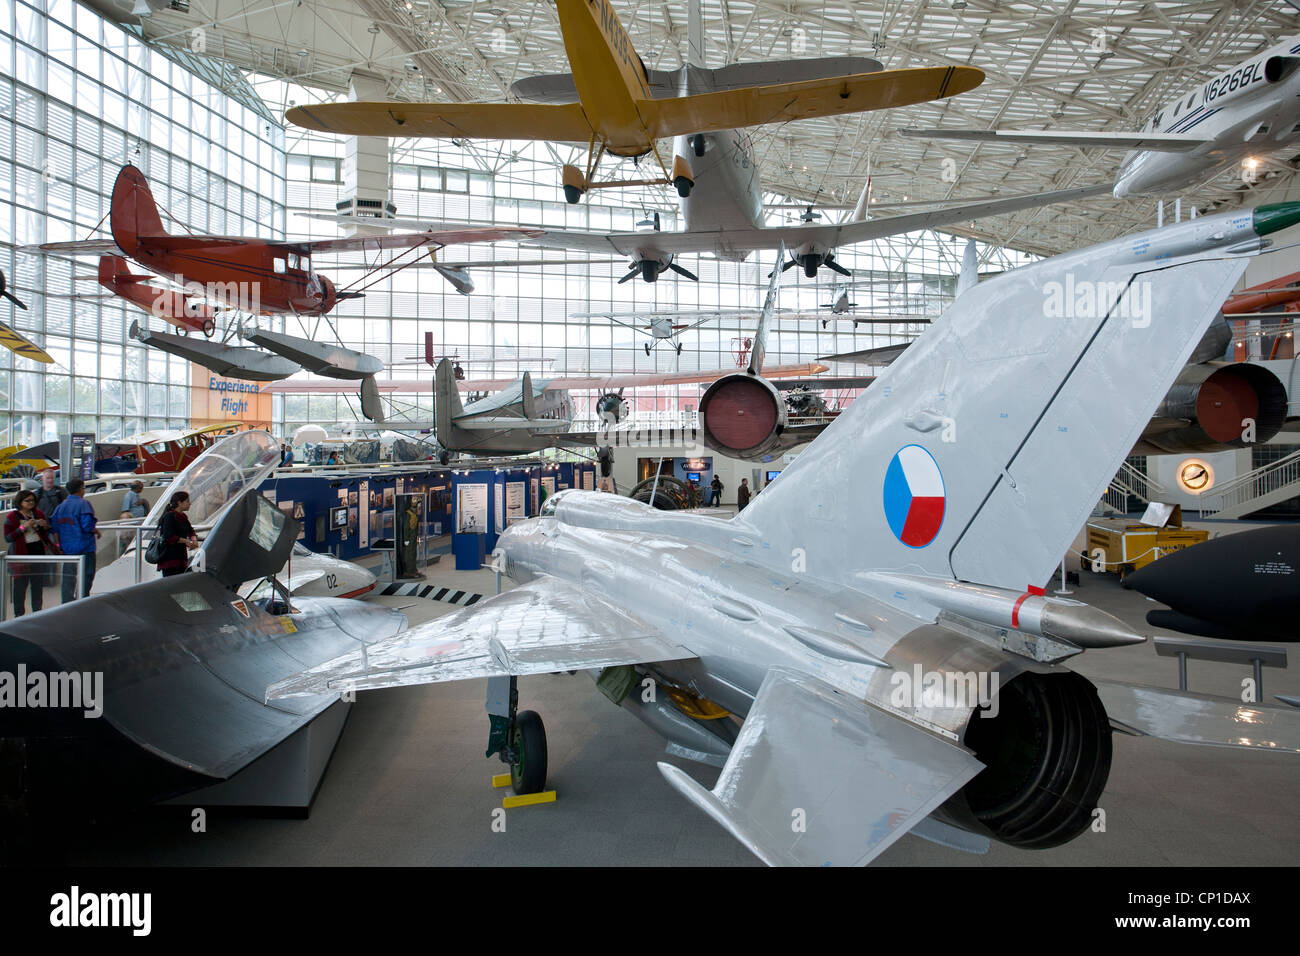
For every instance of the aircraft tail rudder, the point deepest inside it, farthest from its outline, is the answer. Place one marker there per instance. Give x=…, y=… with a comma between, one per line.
x=979, y=454
x=446, y=402
x=593, y=27
x=133, y=212
x=527, y=401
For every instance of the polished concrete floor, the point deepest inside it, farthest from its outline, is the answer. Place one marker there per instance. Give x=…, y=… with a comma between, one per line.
x=409, y=785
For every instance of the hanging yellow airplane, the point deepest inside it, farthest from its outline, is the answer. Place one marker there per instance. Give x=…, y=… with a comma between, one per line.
x=617, y=111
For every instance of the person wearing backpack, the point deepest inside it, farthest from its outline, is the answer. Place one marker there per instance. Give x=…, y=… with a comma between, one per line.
x=177, y=536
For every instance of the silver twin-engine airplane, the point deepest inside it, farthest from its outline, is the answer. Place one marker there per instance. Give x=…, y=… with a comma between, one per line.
x=875, y=617
x=1245, y=112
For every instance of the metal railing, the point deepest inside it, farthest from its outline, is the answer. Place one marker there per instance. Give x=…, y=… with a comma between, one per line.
x=1251, y=486
x=53, y=559
x=1129, y=482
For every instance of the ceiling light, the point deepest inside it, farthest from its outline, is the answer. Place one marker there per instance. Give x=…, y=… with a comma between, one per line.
x=959, y=4
x=373, y=28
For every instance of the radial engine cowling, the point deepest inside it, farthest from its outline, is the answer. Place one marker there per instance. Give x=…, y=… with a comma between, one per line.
x=1233, y=406
x=1044, y=739
x=742, y=416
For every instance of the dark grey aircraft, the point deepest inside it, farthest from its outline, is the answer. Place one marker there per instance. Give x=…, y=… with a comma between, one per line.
x=1237, y=587
x=176, y=669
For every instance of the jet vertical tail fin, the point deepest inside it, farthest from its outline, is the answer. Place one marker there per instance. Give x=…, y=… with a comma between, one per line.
x=970, y=268
x=759, y=348
x=979, y=454
x=133, y=212
x=446, y=402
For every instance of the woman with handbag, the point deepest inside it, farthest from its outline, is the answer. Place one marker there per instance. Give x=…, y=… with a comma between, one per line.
x=177, y=536
x=28, y=532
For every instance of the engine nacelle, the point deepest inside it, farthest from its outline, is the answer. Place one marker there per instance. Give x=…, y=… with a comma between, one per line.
x=1044, y=739
x=1220, y=403
x=1277, y=68
x=742, y=416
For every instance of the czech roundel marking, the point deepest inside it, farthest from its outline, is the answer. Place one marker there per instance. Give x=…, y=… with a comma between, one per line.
x=914, y=496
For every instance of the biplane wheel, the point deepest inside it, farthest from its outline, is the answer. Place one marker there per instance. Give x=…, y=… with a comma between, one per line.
x=647, y=349
x=683, y=186
x=528, y=745
x=572, y=195
x=209, y=328
x=185, y=330
x=697, y=144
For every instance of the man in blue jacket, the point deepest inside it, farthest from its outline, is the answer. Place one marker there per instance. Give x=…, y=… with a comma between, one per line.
x=74, y=532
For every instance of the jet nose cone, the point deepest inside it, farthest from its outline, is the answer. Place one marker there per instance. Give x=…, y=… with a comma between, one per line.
x=1274, y=217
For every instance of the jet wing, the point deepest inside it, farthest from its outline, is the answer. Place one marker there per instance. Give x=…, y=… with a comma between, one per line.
x=564, y=123
x=880, y=355
x=1189, y=718
x=1161, y=142
x=543, y=626
x=818, y=778
x=807, y=99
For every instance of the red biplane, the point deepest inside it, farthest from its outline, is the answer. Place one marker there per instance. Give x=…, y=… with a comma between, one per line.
x=267, y=276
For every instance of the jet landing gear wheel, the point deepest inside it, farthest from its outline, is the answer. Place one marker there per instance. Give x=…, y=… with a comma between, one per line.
x=527, y=753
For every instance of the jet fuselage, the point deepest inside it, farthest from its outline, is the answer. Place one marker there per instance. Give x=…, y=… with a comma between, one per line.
x=1248, y=111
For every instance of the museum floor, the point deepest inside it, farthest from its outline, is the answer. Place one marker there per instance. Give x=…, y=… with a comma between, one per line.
x=409, y=785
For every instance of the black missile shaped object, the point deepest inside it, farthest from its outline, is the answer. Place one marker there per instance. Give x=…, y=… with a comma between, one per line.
x=1238, y=587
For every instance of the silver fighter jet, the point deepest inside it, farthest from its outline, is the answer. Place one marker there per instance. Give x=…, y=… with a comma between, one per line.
x=875, y=616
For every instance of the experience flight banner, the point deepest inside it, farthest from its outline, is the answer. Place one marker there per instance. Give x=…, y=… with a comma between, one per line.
x=218, y=400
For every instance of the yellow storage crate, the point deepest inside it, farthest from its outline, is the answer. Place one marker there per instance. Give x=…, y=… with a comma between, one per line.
x=1127, y=546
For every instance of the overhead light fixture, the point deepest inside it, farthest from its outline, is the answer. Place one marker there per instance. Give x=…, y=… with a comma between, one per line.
x=959, y=4
x=373, y=28
x=1058, y=112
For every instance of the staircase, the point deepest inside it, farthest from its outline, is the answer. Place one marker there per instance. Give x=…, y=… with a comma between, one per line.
x=1264, y=487
x=1129, y=482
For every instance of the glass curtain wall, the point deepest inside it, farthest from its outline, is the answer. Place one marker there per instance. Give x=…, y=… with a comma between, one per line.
x=79, y=96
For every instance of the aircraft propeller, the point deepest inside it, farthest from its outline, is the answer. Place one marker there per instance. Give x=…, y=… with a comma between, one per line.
x=651, y=269
x=813, y=261
x=5, y=294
